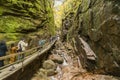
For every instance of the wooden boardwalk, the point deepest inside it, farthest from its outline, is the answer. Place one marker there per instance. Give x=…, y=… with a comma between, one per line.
x=5, y=72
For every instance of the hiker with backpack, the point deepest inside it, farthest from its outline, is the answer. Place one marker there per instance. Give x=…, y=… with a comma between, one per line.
x=21, y=47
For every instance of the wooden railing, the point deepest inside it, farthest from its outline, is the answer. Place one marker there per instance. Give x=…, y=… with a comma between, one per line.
x=27, y=54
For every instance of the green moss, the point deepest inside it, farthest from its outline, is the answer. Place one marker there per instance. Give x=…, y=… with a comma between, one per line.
x=1, y=10
x=23, y=16
x=12, y=24
x=11, y=36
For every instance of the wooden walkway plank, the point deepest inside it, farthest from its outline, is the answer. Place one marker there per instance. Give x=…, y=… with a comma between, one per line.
x=6, y=71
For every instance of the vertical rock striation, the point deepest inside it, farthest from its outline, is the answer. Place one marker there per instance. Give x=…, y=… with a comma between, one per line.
x=98, y=23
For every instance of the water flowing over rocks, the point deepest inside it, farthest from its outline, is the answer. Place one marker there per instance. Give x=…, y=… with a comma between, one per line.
x=89, y=44
x=70, y=69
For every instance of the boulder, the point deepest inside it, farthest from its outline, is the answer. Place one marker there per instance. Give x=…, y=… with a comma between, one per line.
x=56, y=58
x=97, y=22
x=49, y=64
x=46, y=72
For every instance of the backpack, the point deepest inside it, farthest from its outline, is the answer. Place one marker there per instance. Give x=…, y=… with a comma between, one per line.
x=20, y=48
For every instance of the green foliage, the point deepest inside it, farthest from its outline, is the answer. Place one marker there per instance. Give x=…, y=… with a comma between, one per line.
x=65, y=9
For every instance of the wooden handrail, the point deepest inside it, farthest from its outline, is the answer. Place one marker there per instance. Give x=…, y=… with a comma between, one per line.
x=21, y=60
x=16, y=54
x=18, y=61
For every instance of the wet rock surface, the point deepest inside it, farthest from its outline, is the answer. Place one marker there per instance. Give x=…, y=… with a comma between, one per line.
x=97, y=22
x=49, y=64
x=71, y=69
x=56, y=58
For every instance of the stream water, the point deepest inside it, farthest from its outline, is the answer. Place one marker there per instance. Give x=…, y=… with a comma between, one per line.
x=71, y=69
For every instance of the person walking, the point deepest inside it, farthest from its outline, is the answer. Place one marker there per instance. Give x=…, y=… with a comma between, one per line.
x=13, y=50
x=22, y=47
x=3, y=50
x=42, y=42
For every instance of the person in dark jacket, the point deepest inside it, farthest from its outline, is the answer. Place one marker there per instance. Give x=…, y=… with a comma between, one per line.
x=3, y=50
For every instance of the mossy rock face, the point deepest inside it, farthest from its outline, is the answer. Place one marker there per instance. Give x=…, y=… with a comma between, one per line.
x=97, y=22
x=26, y=17
x=85, y=5
x=9, y=24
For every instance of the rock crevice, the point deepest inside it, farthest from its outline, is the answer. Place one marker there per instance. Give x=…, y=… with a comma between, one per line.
x=97, y=22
